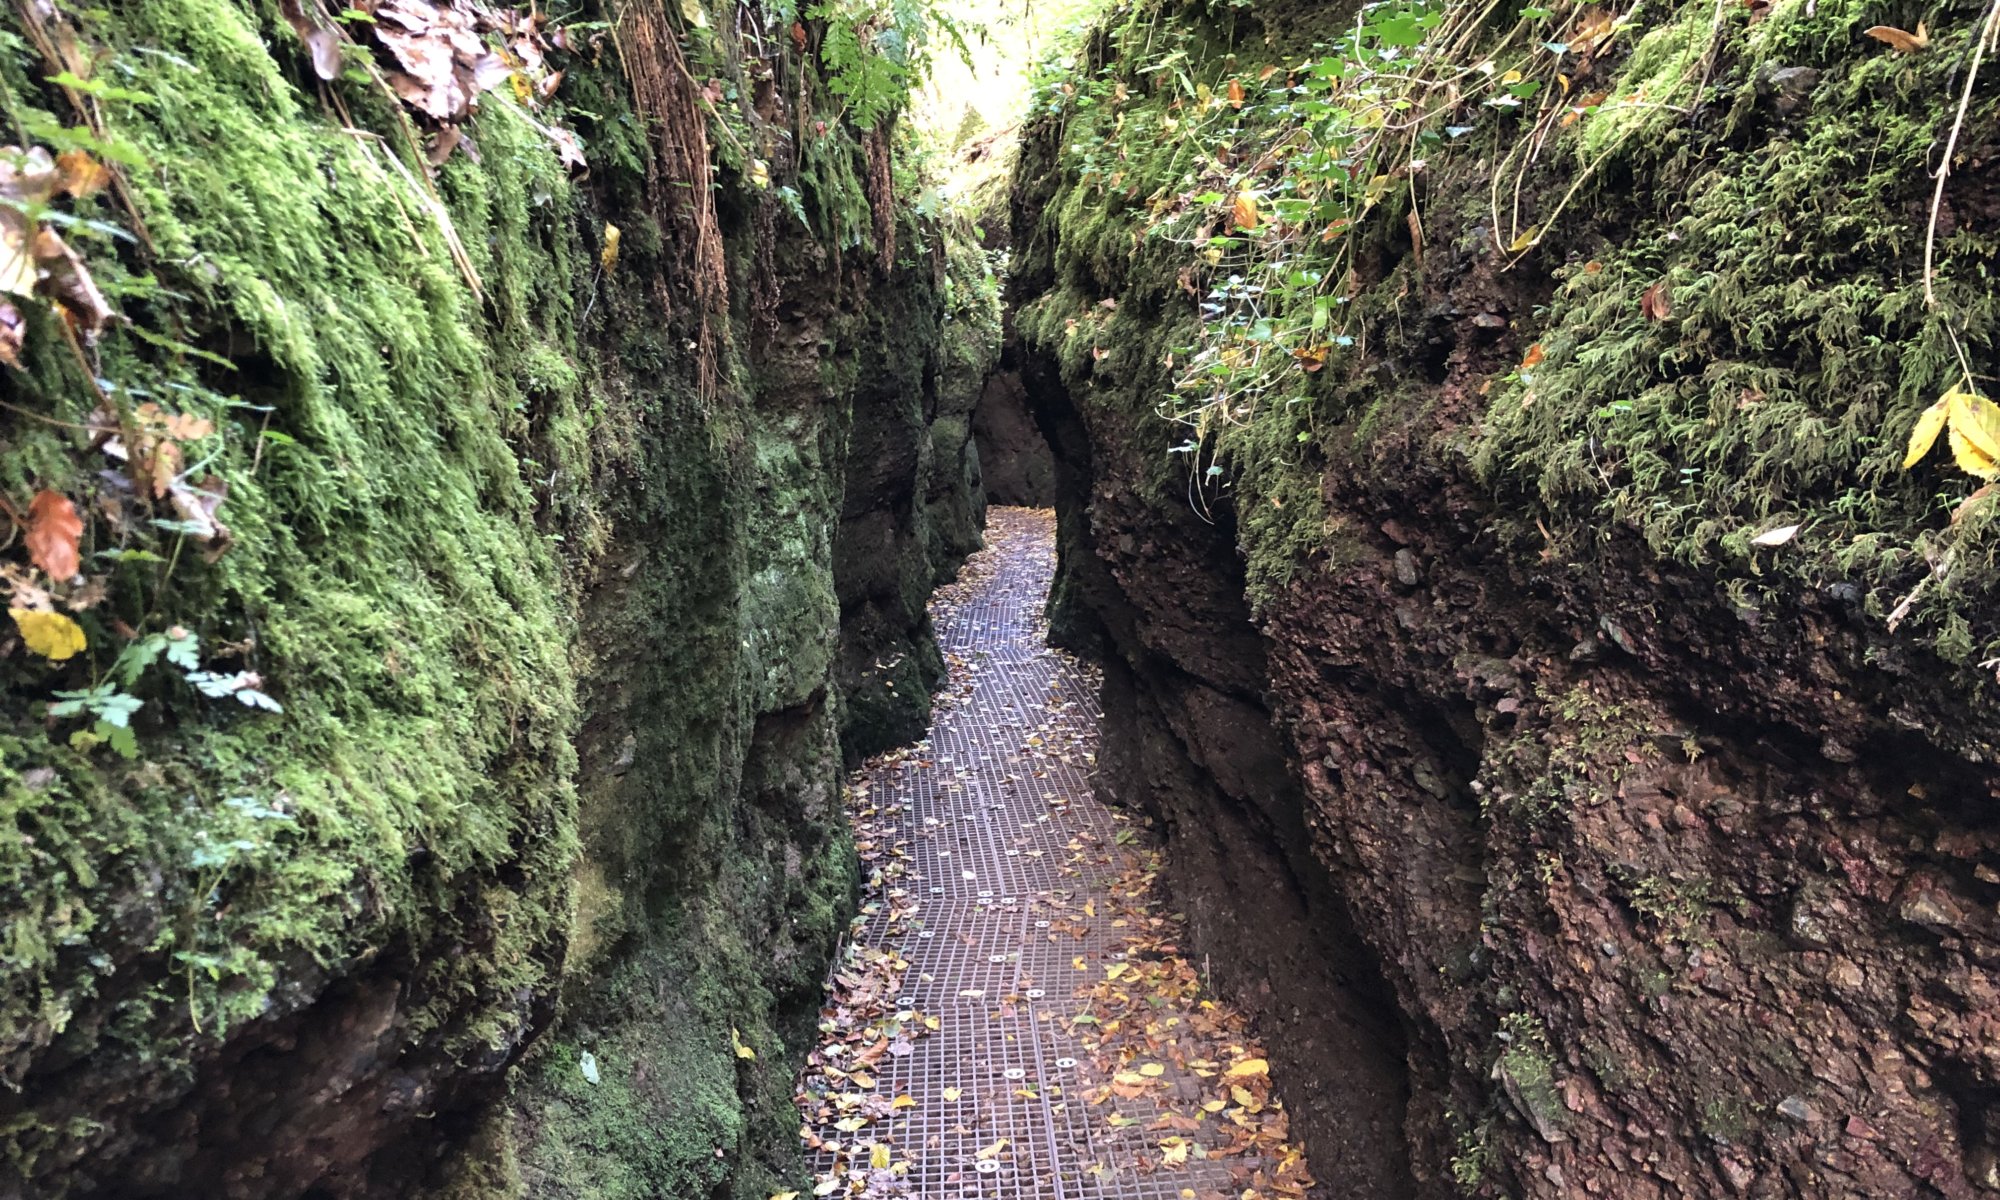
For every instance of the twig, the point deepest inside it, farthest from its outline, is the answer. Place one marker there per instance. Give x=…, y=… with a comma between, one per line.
x=1985, y=35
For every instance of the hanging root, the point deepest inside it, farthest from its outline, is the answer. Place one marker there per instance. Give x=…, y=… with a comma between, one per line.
x=678, y=174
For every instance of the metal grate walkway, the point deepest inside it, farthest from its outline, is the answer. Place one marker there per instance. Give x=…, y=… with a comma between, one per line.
x=952, y=1064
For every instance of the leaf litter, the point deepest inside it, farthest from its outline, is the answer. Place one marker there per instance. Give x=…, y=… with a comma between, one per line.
x=1168, y=1080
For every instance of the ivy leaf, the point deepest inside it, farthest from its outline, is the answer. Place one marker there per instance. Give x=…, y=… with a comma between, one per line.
x=49, y=634
x=54, y=530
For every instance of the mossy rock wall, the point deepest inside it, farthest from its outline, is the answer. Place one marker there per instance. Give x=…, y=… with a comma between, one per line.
x=534, y=545
x=1668, y=852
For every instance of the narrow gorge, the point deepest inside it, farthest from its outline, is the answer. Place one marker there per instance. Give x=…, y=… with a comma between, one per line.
x=1514, y=711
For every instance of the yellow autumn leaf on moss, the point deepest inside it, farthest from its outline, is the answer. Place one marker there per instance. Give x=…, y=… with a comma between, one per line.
x=736, y=1040
x=1925, y=435
x=49, y=634
x=1973, y=423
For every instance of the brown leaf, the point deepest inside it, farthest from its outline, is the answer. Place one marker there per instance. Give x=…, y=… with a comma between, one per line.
x=67, y=281
x=1244, y=210
x=13, y=334
x=166, y=465
x=80, y=175
x=1898, y=40
x=28, y=176
x=54, y=531
x=1656, y=303
x=443, y=144
x=1236, y=93
x=1533, y=358
x=324, y=46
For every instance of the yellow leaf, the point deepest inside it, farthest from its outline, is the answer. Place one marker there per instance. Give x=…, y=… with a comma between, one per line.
x=851, y=1124
x=994, y=1150
x=49, y=634
x=951, y=1095
x=1174, y=1154
x=784, y=1196
x=902, y=1102
x=1248, y=1067
x=878, y=1156
x=826, y=1187
x=1924, y=436
x=1970, y=458
x=1215, y=1106
x=1527, y=239
x=1114, y=971
x=1978, y=419
x=736, y=1040
x=608, y=257
x=862, y=1079
x=1153, y=1070
x=1244, y=210
x=1510, y=77
x=1241, y=1095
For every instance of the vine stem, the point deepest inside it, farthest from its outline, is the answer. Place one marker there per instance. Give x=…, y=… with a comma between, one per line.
x=1951, y=147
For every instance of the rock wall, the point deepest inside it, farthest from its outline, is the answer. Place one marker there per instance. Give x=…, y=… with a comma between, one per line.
x=1015, y=461
x=1573, y=842
x=533, y=477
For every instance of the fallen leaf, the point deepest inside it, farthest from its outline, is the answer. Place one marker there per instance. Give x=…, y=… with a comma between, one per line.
x=951, y=1094
x=1656, y=303
x=54, y=531
x=80, y=175
x=878, y=1156
x=1930, y=423
x=736, y=1040
x=65, y=280
x=13, y=333
x=1533, y=358
x=1249, y=1067
x=1236, y=93
x=49, y=634
x=994, y=1150
x=1775, y=537
x=1152, y=1070
x=1527, y=239
x=1244, y=210
x=1899, y=40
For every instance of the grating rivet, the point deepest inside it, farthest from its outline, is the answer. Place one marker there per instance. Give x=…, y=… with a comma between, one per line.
x=1015, y=1073
x=1066, y=1063
x=905, y=1001
x=1041, y=924
x=986, y=1166
x=1036, y=993
x=924, y=933
x=996, y=958
x=986, y=894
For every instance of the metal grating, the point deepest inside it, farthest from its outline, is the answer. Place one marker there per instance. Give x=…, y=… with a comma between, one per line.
x=997, y=848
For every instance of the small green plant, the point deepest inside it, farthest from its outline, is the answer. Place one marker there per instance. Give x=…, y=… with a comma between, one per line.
x=879, y=51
